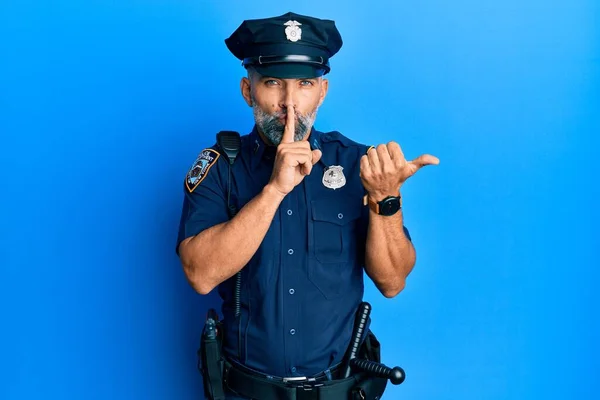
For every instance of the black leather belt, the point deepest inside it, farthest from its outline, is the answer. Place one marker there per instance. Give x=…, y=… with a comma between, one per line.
x=255, y=386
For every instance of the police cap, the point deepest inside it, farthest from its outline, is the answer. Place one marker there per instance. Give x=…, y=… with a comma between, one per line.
x=287, y=46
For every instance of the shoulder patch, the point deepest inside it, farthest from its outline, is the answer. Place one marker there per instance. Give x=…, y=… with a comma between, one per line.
x=198, y=171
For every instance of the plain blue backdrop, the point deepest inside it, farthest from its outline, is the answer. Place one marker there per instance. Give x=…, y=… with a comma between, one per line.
x=104, y=105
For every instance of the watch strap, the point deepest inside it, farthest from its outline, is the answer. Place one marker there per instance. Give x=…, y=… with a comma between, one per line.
x=373, y=205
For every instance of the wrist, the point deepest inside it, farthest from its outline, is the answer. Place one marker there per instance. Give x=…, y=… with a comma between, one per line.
x=384, y=202
x=273, y=194
x=380, y=195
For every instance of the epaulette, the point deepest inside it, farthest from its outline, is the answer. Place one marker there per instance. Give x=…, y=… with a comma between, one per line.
x=345, y=141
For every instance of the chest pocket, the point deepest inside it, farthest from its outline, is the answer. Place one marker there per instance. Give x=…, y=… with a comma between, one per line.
x=333, y=265
x=334, y=231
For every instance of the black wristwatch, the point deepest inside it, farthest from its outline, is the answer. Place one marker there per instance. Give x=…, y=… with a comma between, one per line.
x=388, y=206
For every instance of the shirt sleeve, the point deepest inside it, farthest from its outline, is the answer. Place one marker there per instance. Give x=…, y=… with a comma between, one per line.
x=205, y=197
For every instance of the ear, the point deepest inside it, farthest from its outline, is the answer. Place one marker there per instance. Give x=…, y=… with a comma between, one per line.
x=324, y=89
x=246, y=87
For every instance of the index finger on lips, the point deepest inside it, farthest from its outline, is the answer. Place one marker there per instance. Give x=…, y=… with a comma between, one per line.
x=288, y=132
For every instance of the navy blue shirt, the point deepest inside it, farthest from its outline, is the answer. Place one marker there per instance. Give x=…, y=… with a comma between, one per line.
x=301, y=289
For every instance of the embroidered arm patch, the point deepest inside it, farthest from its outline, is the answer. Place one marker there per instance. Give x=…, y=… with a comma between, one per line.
x=198, y=171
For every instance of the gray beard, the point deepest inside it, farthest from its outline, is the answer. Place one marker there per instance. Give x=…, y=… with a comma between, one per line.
x=270, y=126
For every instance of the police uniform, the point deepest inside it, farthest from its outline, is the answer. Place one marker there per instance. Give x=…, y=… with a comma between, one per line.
x=301, y=289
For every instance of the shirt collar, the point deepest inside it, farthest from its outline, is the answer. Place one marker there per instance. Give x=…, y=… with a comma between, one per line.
x=257, y=147
x=316, y=143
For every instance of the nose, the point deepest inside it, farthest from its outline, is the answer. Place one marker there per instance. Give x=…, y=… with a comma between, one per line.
x=288, y=98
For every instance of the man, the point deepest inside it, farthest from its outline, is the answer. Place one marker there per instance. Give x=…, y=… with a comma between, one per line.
x=302, y=233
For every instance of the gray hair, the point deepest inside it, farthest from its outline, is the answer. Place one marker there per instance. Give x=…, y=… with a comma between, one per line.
x=252, y=73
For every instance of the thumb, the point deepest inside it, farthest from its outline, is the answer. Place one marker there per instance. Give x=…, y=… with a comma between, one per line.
x=316, y=156
x=424, y=160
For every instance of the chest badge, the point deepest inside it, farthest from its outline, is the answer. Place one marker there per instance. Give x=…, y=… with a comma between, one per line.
x=333, y=177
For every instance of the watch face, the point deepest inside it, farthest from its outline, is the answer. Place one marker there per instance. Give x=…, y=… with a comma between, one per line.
x=389, y=206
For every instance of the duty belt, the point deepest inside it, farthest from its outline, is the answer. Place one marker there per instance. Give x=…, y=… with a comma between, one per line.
x=252, y=385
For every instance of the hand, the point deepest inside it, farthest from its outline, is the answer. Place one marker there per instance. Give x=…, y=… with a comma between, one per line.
x=294, y=160
x=384, y=169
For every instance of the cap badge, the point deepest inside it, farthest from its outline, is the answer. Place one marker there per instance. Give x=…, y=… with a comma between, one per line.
x=293, y=31
x=333, y=177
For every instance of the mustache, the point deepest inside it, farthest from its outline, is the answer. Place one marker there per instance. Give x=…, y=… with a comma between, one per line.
x=283, y=113
x=274, y=125
x=301, y=120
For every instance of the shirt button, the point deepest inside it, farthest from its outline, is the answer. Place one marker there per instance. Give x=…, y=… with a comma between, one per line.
x=292, y=331
x=292, y=291
x=340, y=215
x=289, y=212
x=290, y=251
x=293, y=369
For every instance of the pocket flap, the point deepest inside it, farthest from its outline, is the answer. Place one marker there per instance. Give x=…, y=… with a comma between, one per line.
x=336, y=213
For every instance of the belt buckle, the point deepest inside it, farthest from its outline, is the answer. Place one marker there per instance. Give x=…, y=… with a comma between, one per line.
x=295, y=381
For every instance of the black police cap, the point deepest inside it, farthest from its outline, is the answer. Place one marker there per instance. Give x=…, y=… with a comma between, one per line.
x=287, y=46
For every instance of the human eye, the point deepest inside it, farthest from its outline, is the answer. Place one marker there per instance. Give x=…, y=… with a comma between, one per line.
x=306, y=83
x=271, y=82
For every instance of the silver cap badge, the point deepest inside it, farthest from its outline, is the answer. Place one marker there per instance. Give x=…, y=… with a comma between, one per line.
x=293, y=31
x=333, y=177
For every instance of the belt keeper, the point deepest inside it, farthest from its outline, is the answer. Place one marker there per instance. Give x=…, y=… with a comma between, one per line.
x=308, y=392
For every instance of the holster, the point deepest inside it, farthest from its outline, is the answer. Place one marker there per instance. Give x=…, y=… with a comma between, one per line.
x=369, y=387
x=210, y=360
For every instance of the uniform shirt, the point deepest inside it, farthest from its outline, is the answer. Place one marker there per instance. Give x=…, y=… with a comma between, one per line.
x=302, y=287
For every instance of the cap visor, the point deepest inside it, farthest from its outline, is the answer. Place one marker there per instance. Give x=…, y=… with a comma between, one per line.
x=289, y=70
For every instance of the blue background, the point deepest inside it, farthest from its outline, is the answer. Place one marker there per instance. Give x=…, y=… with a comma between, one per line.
x=105, y=105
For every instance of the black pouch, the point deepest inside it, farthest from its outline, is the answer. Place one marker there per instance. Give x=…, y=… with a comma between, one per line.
x=369, y=387
x=371, y=349
x=210, y=361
